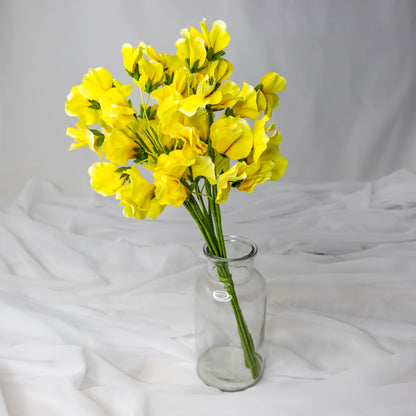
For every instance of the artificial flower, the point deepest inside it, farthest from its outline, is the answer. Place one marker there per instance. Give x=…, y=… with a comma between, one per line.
x=236, y=174
x=104, y=178
x=232, y=137
x=270, y=84
x=205, y=95
x=85, y=137
x=79, y=106
x=247, y=105
x=116, y=110
x=119, y=146
x=151, y=74
x=218, y=38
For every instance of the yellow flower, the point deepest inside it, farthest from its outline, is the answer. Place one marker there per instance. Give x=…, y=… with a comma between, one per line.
x=104, y=178
x=220, y=70
x=176, y=88
x=232, y=136
x=217, y=38
x=271, y=83
x=151, y=74
x=131, y=56
x=77, y=105
x=95, y=83
x=170, y=63
x=168, y=174
x=205, y=167
x=272, y=153
x=191, y=50
x=169, y=115
x=138, y=197
x=116, y=110
x=118, y=146
x=84, y=137
x=234, y=175
x=230, y=93
x=190, y=137
x=260, y=138
x=199, y=120
x=257, y=173
x=247, y=106
x=204, y=95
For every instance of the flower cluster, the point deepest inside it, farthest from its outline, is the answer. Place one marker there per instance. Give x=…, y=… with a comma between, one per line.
x=197, y=132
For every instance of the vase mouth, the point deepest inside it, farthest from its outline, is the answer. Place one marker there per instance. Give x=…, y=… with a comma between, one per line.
x=250, y=249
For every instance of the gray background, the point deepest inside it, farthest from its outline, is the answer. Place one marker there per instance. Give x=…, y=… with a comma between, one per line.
x=348, y=112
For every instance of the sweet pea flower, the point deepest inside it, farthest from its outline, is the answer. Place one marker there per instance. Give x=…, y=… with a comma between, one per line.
x=232, y=137
x=235, y=174
x=116, y=110
x=84, y=137
x=217, y=38
x=247, y=105
x=270, y=84
x=167, y=178
x=119, y=145
x=104, y=178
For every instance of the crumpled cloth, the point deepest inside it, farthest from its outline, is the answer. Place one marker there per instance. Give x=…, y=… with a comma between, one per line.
x=96, y=310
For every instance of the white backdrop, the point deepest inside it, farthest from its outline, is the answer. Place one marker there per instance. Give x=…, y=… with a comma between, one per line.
x=348, y=112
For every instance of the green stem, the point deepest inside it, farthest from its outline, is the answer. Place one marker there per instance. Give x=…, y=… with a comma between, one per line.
x=216, y=246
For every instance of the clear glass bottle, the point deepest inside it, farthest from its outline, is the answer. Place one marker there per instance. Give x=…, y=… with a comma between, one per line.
x=230, y=309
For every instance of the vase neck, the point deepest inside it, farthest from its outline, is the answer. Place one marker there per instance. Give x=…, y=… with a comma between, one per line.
x=239, y=261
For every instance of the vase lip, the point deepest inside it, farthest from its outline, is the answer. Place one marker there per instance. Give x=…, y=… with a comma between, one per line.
x=234, y=238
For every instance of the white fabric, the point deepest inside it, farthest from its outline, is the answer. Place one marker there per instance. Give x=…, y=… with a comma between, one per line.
x=348, y=112
x=96, y=310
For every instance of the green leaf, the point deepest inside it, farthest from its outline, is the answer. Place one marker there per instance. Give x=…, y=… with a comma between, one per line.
x=148, y=85
x=258, y=87
x=217, y=56
x=154, y=87
x=152, y=114
x=122, y=169
x=95, y=105
x=100, y=137
x=195, y=67
x=140, y=154
x=229, y=112
x=169, y=78
x=236, y=183
x=210, y=53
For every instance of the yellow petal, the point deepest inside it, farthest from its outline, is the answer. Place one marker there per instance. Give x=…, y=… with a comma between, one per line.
x=220, y=70
x=83, y=137
x=104, y=178
x=260, y=138
x=77, y=105
x=232, y=136
x=217, y=38
x=116, y=110
x=257, y=173
x=95, y=83
x=131, y=56
x=204, y=167
x=272, y=153
x=272, y=83
x=230, y=93
x=233, y=175
x=118, y=147
x=150, y=72
x=247, y=106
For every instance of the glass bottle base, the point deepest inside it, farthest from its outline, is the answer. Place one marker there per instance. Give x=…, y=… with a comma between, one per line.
x=223, y=367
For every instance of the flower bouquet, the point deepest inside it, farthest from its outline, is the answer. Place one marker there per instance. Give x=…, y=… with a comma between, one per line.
x=196, y=133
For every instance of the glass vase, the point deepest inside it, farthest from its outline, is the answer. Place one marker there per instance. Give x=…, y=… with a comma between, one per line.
x=230, y=310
